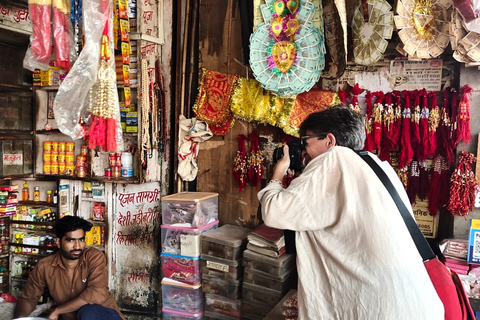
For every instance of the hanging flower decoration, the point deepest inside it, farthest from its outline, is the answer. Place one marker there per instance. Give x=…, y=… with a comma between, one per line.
x=287, y=51
x=424, y=27
x=372, y=23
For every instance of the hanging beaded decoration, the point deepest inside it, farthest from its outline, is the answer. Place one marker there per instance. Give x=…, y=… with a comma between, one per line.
x=102, y=131
x=463, y=185
x=239, y=164
x=145, y=116
x=254, y=160
x=76, y=18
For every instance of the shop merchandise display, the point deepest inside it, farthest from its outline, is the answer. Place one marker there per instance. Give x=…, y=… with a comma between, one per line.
x=335, y=20
x=221, y=266
x=372, y=23
x=286, y=50
x=423, y=27
x=185, y=216
x=213, y=100
x=250, y=102
x=91, y=94
x=416, y=126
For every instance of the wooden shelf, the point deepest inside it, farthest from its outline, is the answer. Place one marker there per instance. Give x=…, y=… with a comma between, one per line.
x=32, y=255
x=47, y=88
x=17, y=133
x=94, y=199
x=13, y=244
x=37, y=203
x=14, y=87
x=132, y=180
x=36, y=223
x=97, y=223
x=43, y=131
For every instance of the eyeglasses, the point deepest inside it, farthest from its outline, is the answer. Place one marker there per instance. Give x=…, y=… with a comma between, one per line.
x=303, y=139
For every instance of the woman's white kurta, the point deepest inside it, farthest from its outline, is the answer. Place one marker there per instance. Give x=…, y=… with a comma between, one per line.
x=355, y=257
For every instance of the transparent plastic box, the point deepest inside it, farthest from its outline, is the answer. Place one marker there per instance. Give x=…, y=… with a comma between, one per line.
x=263, y=279
x=184, y=241
x=223, y=305
x=180, y=268
x=274, y=266
x=226, y=242
x=254, y=310
x=214, y=316
x=258, y=294
x=178, y=296
x=227, y=288
x=192, y=209
x=179, y=315
x=221, y=268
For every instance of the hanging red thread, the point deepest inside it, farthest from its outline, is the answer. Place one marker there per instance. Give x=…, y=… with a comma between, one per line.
x=254, y=160
x=433, y=122
x=415, y=120
x=369, y=142
x=434, y=193
x=444, y=142
x=239, y=163
x=463, y=186
x=356, y=91
x=387, y=128
x=343, y=95
x=413, y=182
x=463, y=121
x=422, y=149
x=453, y=118
x=397, y=124
x=377, y=112
x=406, y=152
x=424, y=180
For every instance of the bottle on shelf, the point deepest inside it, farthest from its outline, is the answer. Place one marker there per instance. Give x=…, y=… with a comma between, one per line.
x=49, y=196
x=55, y=197
x=25, y=192
x=36, y=194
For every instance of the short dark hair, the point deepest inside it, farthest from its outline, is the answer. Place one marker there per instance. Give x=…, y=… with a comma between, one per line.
x=71, y=223
x=347, y=126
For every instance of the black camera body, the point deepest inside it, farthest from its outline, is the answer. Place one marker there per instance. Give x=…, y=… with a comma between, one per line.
x=295, y=149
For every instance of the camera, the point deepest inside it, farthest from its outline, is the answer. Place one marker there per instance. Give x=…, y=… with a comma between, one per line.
x=295, y=149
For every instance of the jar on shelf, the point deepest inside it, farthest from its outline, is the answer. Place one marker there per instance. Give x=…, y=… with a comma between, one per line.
x=49, y=196
x=36, y=194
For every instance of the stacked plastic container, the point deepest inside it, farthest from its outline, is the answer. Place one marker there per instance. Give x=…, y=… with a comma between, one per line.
x=222, y=270
x=185, y=216
x=266, y=280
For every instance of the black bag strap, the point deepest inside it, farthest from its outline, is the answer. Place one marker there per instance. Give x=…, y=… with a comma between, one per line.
x=417, y=236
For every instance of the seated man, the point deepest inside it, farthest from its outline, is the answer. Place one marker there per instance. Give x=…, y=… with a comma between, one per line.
x=76, y=278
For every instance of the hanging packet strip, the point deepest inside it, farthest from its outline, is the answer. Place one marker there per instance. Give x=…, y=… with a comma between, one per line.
x=126, y=49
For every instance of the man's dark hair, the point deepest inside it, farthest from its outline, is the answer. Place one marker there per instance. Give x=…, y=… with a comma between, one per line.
x=347, y=126
x=71, y=223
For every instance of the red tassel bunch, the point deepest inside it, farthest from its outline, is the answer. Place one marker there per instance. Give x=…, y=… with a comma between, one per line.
x=248, y=168
x=463, y=186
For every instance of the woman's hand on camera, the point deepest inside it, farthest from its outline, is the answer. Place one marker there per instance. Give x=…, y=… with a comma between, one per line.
x=281, y=167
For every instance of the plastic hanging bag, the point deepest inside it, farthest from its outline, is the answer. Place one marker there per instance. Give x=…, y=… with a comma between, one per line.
x=39, y=51
x=72, y=100
x=192, y=132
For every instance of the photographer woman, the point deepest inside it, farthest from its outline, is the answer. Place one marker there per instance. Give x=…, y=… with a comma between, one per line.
x=355, y=257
